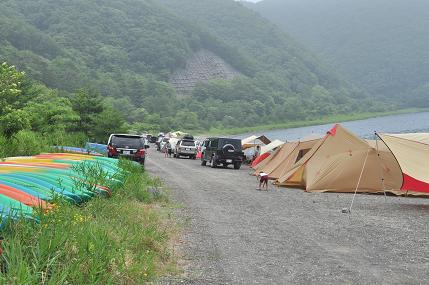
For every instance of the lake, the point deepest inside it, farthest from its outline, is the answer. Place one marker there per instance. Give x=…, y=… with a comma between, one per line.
x=403, y=123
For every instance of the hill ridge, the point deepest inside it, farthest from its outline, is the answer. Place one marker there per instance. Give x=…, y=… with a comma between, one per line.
x=131, y=50
x=379, y=45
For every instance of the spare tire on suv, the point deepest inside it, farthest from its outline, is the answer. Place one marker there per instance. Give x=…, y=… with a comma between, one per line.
x=228, y=148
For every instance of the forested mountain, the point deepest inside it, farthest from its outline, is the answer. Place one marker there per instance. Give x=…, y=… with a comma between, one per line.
x=128, y=50
x=380, y=45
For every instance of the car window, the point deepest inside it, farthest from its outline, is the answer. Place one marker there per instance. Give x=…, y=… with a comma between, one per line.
x=188, y=143
x=214, y=143
x=130, y=142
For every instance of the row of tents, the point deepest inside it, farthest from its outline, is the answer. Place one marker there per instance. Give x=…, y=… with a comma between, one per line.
x=33, y=182
x=340, y=161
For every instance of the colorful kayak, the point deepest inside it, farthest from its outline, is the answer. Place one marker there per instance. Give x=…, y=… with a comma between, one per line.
x=23, y=197
x=33, y=181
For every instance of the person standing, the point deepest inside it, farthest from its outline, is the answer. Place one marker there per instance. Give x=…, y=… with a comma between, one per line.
x=167, y=149
x=258, y=151
x=256, y=154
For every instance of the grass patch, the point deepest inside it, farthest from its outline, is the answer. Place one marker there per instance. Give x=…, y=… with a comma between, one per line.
x=31, y=143
x=123, y=239
x=320, y=121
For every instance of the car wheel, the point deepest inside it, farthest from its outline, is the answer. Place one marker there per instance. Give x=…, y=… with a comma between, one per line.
x=237, y=165
x=203, y=162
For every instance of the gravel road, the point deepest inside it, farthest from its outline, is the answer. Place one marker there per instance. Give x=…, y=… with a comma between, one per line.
x=234, y=234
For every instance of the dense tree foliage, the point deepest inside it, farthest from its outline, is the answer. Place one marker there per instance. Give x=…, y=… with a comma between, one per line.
x=380, y=45
x=29, y=106
x=109, y=63
x=12, y=118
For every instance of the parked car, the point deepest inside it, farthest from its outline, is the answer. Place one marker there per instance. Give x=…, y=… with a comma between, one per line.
x=222, y=151
x=151, y=138
x=185, y=147
x=127, y=146
x=188, y=137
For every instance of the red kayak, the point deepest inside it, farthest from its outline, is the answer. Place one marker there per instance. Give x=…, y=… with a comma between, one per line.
x=23, y=197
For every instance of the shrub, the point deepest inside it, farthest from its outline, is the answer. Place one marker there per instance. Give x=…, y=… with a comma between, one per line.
x=118, y=240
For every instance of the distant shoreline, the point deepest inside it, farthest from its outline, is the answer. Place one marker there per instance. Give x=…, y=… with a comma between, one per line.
x=321, y=121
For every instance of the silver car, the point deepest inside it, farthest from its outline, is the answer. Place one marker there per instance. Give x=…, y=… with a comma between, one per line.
x=185, y=148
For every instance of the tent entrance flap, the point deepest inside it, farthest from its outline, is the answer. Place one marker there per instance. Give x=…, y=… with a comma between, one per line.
x=301, y=154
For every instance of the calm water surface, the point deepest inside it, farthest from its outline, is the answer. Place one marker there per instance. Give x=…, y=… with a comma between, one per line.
x=404, y=123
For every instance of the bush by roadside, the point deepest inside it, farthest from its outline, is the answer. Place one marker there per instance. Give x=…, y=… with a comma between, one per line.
x=122, y=239
x=30, y=143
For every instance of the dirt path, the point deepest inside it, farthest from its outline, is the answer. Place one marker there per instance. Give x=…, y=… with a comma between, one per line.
x=236, y=235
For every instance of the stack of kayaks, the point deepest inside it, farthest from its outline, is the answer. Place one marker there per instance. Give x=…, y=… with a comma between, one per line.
x=33, y=182
x=79, y=150
x=96, y=147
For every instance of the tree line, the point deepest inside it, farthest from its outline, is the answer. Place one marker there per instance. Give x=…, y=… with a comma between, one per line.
x=98, y=66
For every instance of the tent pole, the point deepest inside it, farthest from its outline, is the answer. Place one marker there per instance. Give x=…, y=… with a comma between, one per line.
x=360, y=177
x=381, y=170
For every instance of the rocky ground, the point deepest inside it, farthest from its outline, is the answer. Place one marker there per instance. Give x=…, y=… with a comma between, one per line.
x=234, y=234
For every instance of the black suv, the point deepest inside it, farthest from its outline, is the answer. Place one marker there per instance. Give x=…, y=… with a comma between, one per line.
x=222, y=151
x=128, y=146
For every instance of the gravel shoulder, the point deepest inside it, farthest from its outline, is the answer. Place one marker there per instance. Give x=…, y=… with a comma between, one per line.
x=234, y=234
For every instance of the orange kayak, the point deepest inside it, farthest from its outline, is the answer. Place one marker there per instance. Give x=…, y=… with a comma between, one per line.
x=23, y=197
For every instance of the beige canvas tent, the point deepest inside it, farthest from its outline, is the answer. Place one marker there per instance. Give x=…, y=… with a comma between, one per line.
x=285, y=158
x=342, y=162
x=301, y=148
x=266, y=152
x=416, y=137
x=276, y=158
x=267, y=160
x=412, y=154
x=294, y=176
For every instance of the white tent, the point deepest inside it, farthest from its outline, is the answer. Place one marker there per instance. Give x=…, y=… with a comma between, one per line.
x=254, y=141
x=269, y=147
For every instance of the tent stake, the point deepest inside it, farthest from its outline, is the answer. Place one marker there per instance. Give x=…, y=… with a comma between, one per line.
x=360, y=177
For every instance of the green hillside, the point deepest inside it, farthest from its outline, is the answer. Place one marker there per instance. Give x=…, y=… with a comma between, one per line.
x=379, y=45
x=126, y=50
